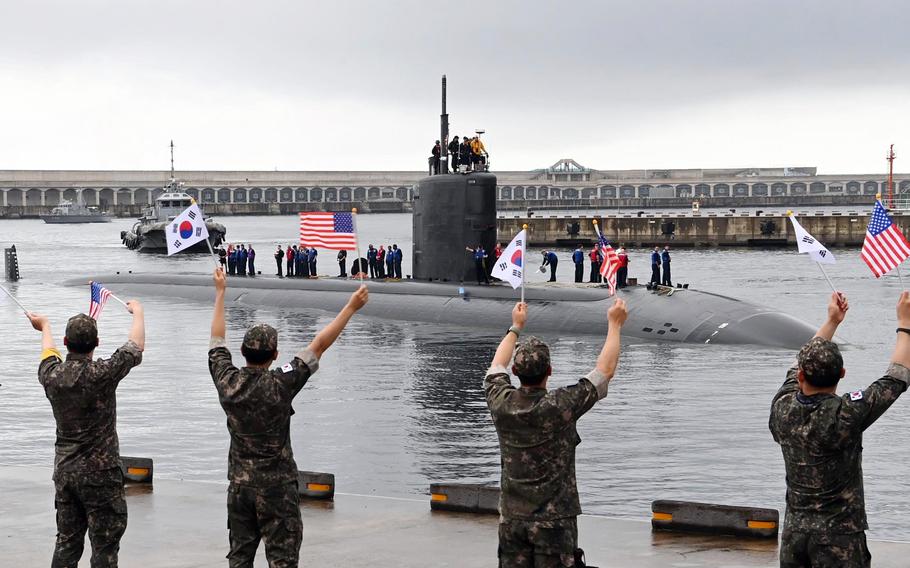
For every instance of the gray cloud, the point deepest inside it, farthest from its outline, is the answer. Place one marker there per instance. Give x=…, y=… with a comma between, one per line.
x=567, y=74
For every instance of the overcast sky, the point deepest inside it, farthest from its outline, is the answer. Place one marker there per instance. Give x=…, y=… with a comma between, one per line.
x=345, y=85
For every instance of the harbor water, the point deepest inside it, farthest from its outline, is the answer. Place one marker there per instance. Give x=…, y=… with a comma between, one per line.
x=397, y=405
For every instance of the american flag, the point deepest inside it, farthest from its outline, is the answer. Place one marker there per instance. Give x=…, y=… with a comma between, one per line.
x=885, y=246
x=334, y=231
x=100, y=294
x=610, y=263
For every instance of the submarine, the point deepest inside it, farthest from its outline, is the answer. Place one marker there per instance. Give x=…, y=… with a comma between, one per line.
x=454, y=210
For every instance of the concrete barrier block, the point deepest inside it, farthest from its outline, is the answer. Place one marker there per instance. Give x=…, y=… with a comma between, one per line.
x=464, y=497
x=686, y=516
x=137, y=470
x=315, y=485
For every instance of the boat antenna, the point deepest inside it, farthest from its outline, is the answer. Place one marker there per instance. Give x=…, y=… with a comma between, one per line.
x=890, y=159
x=444, y=134
x=172, y=160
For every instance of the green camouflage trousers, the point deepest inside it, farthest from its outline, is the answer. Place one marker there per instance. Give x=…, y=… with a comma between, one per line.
x=271, y=514
x=806, y=549
x=537, y=544
x=93, y=502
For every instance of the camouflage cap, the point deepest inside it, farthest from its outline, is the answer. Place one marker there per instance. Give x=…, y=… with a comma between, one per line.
x=532, y=358
x=81, y=330
x=821, y=362
x=261, y=337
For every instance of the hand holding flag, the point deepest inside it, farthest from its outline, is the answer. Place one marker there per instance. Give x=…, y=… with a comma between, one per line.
x=510, y=265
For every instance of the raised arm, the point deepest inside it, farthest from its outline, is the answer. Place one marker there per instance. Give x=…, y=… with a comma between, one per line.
x=42, y=324
x=837, y=311
x=867, y=406
x=609, y=354
x=901, y=354
x=137, y=331
x=218, y=326
x=507, y=346
x=325, y=338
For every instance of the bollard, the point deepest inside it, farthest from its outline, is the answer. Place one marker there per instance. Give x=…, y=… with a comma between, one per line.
x=464, y=497
x=715, y=519
x=136, y=470
x=315, y=485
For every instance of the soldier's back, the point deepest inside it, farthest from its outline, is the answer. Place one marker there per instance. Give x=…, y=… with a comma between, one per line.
x=82, y=394
x=258, y=406
x=537, y=439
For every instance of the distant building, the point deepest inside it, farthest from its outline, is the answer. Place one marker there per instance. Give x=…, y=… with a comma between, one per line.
x=564, y=180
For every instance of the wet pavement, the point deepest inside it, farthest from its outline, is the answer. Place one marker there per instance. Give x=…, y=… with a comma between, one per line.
x=182, y=524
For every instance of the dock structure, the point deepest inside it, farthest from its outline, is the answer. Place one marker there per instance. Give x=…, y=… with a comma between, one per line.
x=125, y=193
x=688, y=229
x=181, y=524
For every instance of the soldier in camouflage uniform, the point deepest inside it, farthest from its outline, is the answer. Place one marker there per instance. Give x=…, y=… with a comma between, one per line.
x=263, y=499
x=537, y=438
x=821, y=437
x=88, y=482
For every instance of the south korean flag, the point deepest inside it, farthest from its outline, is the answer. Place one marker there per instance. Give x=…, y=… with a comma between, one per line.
x=510, y=265
x=185, y=230
x=809, y=244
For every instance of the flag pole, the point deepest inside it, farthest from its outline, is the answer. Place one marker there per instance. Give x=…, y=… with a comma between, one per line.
x=597, y=246
x=207, y=241
x=524, y=261
x=211, y=250
x=13, y=298
x=827, y=278
x=357, y=244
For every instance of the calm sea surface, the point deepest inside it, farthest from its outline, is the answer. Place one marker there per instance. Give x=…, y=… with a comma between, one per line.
x=397, y=405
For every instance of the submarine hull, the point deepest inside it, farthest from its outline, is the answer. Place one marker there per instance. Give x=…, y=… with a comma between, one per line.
x=686, y=316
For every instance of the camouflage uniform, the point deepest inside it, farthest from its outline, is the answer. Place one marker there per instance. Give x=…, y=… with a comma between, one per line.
x=263, y=501
x=821, y=439
x=87, y=478
x=537, y=439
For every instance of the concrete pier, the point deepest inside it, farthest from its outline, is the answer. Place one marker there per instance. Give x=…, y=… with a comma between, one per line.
x=694, y=229
x=179, y=524
x=124, y=193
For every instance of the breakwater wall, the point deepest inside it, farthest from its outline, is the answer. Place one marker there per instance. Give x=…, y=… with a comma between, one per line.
x=229, y=209
x=775, y=201
x=745, y=229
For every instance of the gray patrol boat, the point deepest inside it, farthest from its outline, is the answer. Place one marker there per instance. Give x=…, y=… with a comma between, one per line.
x=69, y=212
x=147, y=234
